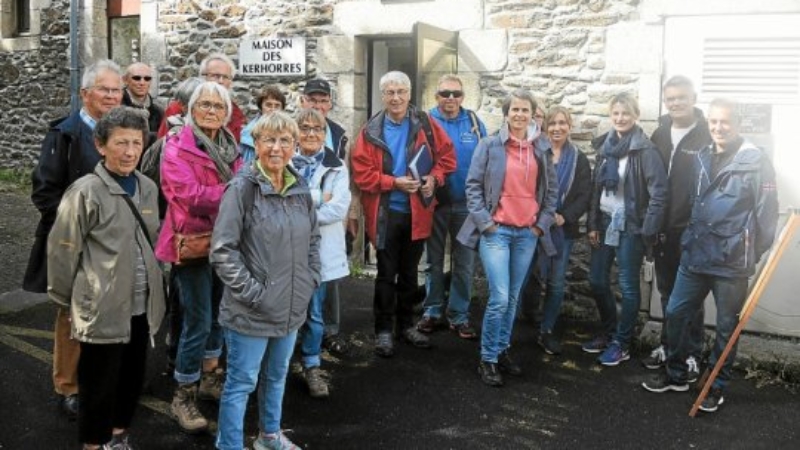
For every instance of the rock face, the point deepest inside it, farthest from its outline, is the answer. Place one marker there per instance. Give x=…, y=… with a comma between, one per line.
x=555, y=48
x=34, y=89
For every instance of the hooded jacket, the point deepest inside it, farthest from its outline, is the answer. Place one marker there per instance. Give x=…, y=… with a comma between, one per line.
x=265, y=249
x=193, y=189
x=331, y=177
x=92, y=253
x=484, y=186
x=372, y=173
x=645, y=187
x=734, y=216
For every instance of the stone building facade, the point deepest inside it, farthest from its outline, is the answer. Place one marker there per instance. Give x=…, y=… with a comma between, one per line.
x=576, y=53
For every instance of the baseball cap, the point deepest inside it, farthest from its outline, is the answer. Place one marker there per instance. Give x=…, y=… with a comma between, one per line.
x=317, y=85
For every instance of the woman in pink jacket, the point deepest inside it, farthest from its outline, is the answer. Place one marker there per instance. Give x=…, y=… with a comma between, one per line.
x=198, y=162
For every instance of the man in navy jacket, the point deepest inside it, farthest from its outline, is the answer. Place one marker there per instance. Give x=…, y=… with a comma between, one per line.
x=733, y=222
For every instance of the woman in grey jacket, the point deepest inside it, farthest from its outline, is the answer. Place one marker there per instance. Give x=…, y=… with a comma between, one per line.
x=101, y=264
x=511, y=197
x=265, y=249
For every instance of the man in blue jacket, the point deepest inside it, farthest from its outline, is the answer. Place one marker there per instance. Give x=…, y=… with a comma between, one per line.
x=733, y=222
x=465, y=130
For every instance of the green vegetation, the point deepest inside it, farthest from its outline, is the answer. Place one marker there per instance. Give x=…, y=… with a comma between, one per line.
x=15, y=179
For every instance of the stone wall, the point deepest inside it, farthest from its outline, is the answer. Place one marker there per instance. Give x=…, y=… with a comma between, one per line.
x=34, y=89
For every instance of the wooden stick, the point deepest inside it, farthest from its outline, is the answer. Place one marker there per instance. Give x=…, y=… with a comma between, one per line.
x=749, y=305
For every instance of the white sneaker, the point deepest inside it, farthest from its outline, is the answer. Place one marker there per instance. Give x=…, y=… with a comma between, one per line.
x=692, y=369
x=656, y=359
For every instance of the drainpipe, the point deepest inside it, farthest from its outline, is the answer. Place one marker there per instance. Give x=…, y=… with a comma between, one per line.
x=74, y=66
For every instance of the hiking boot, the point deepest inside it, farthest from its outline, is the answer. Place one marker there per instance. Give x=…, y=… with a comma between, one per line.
x=508, y=365
x=656, y=359
x=415, y=338
x=712, y=400
x=613, y=355
x=661, y=382
x=596, y=345
x=211, y=385
x=184, y=409
x=336, y=344
x=274, y=441
x=692, y=369
x=428, y=324
x=384, y=344
x=490, y=375
x=317, y=387
x=464, y=330
x=549, y=343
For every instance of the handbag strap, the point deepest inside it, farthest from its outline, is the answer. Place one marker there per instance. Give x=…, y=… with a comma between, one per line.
x=139, y=218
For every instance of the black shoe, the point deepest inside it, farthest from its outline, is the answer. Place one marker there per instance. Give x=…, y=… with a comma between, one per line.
x=412, y=336
x=712, y=401
x=508, y=365
x=69, y=405
x=661, y=382
x=549, y=343
x=384, y=344
x=489, y=374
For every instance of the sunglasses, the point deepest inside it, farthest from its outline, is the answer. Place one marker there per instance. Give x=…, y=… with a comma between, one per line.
x=447, y=93
x=140, y=77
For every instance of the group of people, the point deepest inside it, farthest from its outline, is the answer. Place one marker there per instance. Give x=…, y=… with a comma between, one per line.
x=253, y=221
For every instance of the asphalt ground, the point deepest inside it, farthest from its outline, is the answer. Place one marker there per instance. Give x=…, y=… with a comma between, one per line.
x=421, y=399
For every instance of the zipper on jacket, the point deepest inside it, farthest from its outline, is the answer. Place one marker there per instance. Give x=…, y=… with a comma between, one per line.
x=746, y=245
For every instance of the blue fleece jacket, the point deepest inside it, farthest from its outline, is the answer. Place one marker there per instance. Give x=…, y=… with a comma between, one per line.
x=464, y=142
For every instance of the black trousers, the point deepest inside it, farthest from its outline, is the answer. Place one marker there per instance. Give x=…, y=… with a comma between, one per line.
x=668, y=258
x=396, y=282
x=110, y=379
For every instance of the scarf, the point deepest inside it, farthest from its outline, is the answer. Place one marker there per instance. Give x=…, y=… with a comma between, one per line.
x=307, y=165
x=223, y=152
x=613, y=149
x=565, y=175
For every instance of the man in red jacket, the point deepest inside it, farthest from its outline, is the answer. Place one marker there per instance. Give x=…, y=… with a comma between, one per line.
x=397, y=197
x=215, y=67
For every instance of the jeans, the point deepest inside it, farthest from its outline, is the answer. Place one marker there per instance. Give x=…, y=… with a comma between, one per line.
x=313, y=329
x=629, y=256
x=253, y=360
x=506, y=255
x=396, y=282
x=668, y=258
x=688, y=295
x=556, y=284
x=201, y=337
x=448, y=219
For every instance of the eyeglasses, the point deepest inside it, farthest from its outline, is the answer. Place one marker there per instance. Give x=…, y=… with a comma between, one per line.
x=270, y=105
x=110, y=92
x=217, y=76
x=283, y=142
x=306, y=131
x=208, y=106
x=447, y=93
x=141, y=77
x=317, y=101
x=398, y=92
x=674, y=100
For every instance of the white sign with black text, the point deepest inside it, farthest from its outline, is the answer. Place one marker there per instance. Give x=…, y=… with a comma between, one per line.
x=273, y=56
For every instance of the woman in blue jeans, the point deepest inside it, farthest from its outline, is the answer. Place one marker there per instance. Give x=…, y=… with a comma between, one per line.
x=265, y=248
x=625, y=216
x=574, y=187
x=511, y=199
x=329, y=182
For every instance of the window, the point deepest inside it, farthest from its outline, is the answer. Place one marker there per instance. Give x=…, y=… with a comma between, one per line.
x=23, y=16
